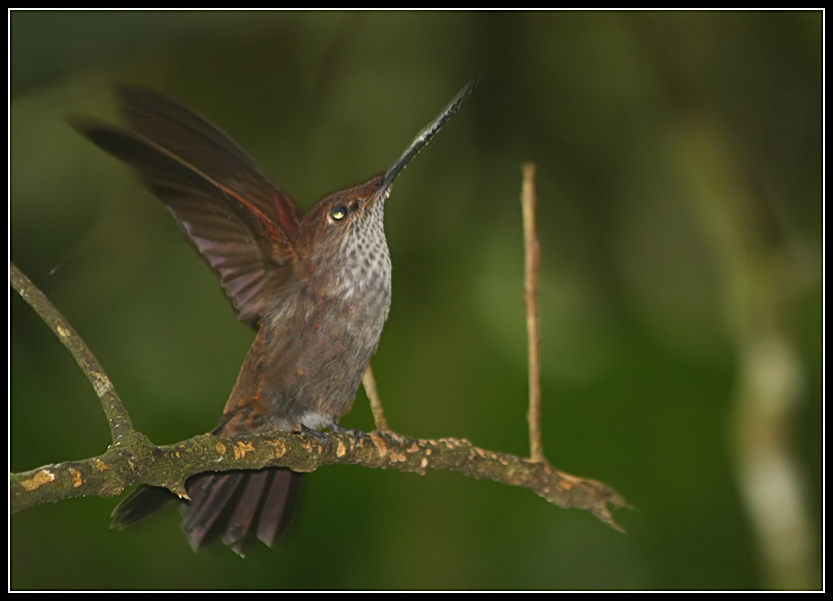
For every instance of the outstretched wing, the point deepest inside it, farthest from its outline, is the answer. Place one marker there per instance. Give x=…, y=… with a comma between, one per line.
x=239, y=221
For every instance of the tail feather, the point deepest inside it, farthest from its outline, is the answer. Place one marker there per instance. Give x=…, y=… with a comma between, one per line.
x=278, y=507
x=245, y=511
x=139, y=504
x=236, y=506
x=213, y=496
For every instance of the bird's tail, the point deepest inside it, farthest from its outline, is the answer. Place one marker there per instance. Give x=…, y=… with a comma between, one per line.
x=235, y=506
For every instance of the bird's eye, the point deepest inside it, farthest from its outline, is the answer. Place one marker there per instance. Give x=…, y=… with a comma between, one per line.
x=338, y=212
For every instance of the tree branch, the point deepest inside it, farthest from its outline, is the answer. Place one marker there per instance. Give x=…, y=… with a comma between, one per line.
x=137, y=461
x=117, y=416
x=132, y=459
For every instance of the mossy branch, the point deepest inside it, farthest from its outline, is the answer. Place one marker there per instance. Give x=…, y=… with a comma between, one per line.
x=132, y=459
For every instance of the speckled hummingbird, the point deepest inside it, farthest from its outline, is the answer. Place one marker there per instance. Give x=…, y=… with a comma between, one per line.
x=316, y=287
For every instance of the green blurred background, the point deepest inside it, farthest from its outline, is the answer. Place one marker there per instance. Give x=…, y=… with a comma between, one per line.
x=680, y=190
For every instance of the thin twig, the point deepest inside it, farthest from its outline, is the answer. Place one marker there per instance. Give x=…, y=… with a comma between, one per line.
x=369, y=383
x=532, y=275
x=117, y=416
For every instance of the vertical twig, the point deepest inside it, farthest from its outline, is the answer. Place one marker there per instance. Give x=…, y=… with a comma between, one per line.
x=369, y=383
x=532, y=275
x=117, y=417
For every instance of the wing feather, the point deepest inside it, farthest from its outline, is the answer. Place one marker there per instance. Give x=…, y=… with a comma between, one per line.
x=241, y=223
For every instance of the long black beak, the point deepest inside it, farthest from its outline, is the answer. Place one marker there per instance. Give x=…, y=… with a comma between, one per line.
x=422, y=139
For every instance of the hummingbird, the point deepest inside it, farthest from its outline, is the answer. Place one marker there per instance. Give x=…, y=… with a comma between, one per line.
x=315, y=286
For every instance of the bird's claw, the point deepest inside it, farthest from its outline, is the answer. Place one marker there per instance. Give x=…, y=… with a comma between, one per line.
x=319, y=436
x=356, y=435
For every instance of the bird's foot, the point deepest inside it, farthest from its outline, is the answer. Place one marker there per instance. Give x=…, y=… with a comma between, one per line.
x=356, y=435
x=319, y=436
